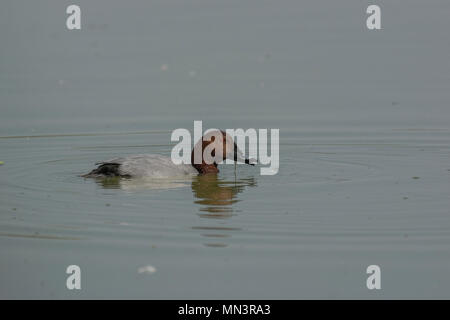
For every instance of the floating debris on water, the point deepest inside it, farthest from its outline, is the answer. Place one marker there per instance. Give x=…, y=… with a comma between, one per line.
x=147, y=269
x=1, y=162
x=416, y=177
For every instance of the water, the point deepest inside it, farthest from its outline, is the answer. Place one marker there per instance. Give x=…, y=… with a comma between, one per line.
x=364, y=147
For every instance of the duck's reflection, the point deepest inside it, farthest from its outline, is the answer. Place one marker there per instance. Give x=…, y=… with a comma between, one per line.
x=142, y=184
x=216, y=197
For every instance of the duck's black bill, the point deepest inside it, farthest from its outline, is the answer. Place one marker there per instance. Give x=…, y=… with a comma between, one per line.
x=247, y=161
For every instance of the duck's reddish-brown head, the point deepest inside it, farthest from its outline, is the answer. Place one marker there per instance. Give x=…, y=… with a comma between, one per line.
x=215, y=147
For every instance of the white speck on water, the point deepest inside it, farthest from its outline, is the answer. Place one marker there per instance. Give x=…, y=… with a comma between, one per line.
x=147, y=269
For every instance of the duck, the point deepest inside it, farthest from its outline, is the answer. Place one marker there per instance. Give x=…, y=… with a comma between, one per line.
x=159, y=166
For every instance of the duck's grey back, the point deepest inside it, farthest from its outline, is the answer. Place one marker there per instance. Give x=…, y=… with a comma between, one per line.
x=142, y=165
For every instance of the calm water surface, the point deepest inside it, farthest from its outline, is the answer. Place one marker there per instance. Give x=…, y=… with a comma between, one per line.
x=340, y=202
x=364, y=150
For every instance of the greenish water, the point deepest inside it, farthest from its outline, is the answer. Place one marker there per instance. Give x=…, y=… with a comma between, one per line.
x=364, y=150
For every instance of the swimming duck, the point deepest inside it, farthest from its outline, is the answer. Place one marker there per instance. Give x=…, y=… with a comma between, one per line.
x=158, y=166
